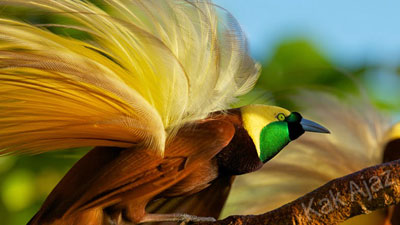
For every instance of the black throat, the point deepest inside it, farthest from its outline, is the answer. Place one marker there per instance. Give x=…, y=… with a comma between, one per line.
x=240, y=155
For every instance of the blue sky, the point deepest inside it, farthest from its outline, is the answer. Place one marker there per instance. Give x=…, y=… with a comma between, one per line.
x=348, y=31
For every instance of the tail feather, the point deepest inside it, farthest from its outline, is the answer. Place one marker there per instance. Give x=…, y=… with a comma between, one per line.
x=89, y=217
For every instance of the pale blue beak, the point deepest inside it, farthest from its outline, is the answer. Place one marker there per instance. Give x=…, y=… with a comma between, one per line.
x=311, y=126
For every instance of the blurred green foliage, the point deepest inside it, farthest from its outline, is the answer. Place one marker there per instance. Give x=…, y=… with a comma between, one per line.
x=25, y=182
x=296, y=64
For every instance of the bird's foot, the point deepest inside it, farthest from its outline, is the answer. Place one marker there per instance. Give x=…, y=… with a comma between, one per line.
x=185, y=219
x=182, y=218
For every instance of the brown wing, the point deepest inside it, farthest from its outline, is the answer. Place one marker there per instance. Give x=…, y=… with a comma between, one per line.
x=208, y=202
x=103, y=177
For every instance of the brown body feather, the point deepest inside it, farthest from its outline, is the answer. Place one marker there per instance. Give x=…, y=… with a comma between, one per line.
x=117, y=184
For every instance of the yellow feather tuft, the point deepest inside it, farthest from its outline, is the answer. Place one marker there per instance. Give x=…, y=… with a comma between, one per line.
x=393, y=133
x=147, y=68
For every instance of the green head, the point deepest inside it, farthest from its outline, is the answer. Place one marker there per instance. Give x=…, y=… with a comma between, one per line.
x=272, y=128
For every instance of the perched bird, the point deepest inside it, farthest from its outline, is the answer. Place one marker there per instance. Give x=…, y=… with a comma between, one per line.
x=147, y=82
x=364, y=137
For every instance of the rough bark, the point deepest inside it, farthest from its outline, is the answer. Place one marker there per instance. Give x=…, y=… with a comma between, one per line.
x=340, y=199
x=392, y=153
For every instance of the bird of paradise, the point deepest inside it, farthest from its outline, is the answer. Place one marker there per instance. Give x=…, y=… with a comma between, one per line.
x=150, y=86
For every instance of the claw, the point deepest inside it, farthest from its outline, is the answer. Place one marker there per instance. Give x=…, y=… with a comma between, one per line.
x=181, y=218
x=186, y=219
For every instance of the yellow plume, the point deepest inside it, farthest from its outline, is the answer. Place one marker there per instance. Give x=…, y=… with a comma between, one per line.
x=147, y=68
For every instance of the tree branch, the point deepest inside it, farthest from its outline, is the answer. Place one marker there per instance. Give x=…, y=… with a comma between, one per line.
x=340, y=199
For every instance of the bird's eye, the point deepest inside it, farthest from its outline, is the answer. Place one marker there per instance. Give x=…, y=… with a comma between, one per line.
x=281, y=117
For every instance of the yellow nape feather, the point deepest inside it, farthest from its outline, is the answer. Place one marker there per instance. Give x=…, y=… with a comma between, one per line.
x=393, y=133
x=145, y=69
x=256, y=117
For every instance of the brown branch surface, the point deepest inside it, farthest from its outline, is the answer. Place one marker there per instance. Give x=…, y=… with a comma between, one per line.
x=340, y=199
